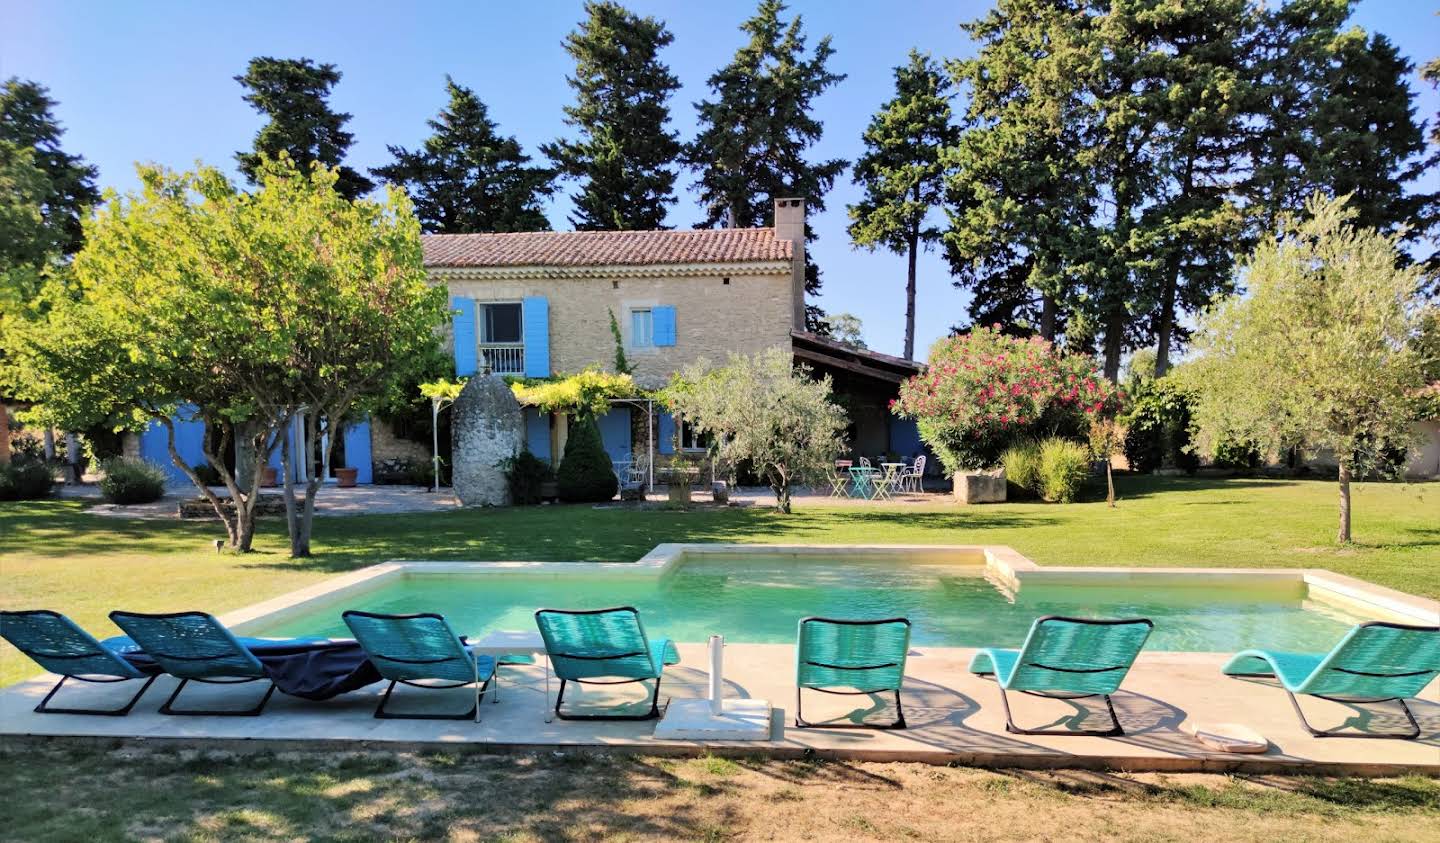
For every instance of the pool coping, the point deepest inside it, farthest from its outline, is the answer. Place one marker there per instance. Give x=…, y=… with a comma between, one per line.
x=1001, y=564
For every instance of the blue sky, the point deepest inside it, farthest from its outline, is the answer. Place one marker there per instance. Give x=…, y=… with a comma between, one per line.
x=153, y=81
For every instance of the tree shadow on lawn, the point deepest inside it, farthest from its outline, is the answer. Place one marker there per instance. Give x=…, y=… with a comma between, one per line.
x=1136, y=486
x=580, y=533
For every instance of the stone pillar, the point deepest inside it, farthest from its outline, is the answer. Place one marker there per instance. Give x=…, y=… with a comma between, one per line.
x=486, y=427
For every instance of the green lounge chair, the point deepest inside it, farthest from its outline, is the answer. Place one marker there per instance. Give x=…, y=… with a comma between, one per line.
x=195, y=647
x=1374, y=662
x=54, y=642
x=1067, y=659
x=603, y=647
x=864, y=657
x=409, y=648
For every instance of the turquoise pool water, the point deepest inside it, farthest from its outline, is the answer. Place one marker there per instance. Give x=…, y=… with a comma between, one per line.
x=753, y=599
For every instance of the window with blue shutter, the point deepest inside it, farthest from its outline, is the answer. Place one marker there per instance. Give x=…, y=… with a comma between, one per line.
x=664, y=321
x=666, y=437
x=536, y=317
x=464, y=336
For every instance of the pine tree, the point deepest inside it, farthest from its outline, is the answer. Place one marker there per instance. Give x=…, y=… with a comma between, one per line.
x=293, y=94
x=1429, y=221
x=27, y=121
x=755, y=131
x=467, y=177
x=903, y=173
x=624, y=154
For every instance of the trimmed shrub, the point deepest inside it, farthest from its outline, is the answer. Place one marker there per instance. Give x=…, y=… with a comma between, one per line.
x=132, y=481
x=1159, y=421
x=1022, y=467
x=1064, y=468
x=586, y=475
x=1238, y=455
x=208, y=474
x=26, y=481
x=526, y=473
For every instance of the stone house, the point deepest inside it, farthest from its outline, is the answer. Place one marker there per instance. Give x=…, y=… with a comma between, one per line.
x=539, y=304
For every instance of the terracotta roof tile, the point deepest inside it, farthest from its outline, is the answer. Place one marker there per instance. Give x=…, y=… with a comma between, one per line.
x=605, y=248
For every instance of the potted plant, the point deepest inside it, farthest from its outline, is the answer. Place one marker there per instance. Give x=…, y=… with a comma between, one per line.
x=345, y=477
x=269, y=477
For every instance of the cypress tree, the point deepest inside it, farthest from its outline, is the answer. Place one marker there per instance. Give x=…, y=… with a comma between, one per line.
x=467, y=177
x=586, y=474
x=293, y=94
x=624, y=154
x=903, y=173
x=27, y=122
x=757, y=127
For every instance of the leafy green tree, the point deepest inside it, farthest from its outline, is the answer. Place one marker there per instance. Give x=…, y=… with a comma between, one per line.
x=847, y=328
x=765, y=411
x=27, y=121
x=1321, y=353
x=467, y=177
x=242, y=309
x=293, y=94
x=756, y=129
x=624, y=155
x=1336, y=115
x=903, y=173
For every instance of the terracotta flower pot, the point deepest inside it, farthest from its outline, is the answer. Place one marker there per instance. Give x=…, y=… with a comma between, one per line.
x=345, y=477
x=268, y=476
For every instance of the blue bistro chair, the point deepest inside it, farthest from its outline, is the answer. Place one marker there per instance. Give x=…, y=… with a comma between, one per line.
x=407, y=649
x=57, y=644
x=1374, y=662
x=1067, y=659
x=851, y=658
x=195, y=647
x=604, y=647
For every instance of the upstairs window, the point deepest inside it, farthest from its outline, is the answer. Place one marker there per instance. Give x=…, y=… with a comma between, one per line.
x=642, y=328
x=500, y=323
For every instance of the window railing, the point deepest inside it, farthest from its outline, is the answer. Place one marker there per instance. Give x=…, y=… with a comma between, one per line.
x=503, y=358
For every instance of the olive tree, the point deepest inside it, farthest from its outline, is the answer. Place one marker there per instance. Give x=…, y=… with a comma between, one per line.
x=241, y=310
x=765, y=411
x=1322, y=353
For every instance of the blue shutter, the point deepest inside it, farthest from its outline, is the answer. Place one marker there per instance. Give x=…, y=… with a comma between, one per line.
x=357, y=449
x=535, y=318
x=666, y=436
x=537, y=433
x=664, y=318
x=465, y=357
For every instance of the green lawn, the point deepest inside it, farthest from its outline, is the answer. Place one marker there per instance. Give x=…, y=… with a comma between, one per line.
x=54, y=555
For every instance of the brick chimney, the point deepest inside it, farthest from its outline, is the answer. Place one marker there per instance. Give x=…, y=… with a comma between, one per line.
x=790, y=225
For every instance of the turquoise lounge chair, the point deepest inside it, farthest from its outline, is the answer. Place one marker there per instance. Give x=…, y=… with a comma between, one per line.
x=1067, y=659
x=604, y=647
x=1374, y=662
x=864, y=657
x=410, y=648
x=54, y=642
x=195, y=647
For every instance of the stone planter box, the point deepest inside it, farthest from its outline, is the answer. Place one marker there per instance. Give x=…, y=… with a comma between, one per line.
x=980, y=486
x=201, y=508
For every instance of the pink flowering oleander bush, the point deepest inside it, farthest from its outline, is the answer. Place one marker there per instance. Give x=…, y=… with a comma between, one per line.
x=984, y=391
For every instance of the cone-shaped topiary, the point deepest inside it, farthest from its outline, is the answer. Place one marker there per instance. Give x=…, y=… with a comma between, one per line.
x=585, y=474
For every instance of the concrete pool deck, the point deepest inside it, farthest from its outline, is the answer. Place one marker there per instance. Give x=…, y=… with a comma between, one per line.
x=954, y=717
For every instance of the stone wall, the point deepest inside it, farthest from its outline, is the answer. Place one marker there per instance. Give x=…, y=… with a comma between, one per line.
x=488, y=427
x=385, y=445
x=714, y=315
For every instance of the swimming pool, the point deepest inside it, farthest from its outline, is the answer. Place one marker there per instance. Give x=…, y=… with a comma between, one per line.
x=758, y=598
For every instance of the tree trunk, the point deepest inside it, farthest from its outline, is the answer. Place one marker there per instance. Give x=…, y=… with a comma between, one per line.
x=1114, y=345
x=1047, y=317
x=48, y=440
x=1165, y=325
x=231, y=521
x=1109, y=484
x=1343, y=536
x=4, y=434
x=72, y=457
x=914, y=238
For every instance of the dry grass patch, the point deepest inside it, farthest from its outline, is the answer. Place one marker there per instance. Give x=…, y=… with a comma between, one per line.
x=191, y=796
